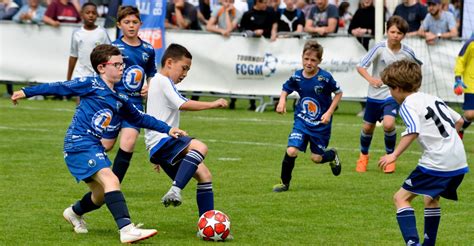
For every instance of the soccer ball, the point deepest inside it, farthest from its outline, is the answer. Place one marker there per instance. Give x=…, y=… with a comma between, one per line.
x=269, y=65
x=214, y=225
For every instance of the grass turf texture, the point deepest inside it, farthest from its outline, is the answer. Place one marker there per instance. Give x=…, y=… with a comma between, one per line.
x=245, y=153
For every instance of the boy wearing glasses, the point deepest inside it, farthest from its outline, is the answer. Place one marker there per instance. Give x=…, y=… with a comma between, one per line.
x=83, y=152
x=139, y=57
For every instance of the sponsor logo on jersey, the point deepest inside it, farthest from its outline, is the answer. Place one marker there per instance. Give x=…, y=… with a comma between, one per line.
x=101, y=119
x=310, y=111
x=133, y=77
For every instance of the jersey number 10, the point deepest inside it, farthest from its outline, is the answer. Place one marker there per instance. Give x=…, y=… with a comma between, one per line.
x=432, y=114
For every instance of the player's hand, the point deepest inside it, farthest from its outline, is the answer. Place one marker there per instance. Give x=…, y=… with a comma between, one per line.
x=144, y=91
x=325, y=118
x=156, y=167
x=220, y=103
x=377, y=83
x=281, y=108
x=459, y=86
x=17, y=95
x=386, y=159
x=176, y=132
x=258, y=32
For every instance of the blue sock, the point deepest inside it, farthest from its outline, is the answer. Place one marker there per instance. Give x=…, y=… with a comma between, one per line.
x=329, y=155
x=390, y=141
x=121, y=164
x=187, y=168
x=287, y=166
x=204, y=197
x=118, y=207
x=85, y=205
x=466, y=123
x=365, y=140
x=407, y=222
x=432, y=218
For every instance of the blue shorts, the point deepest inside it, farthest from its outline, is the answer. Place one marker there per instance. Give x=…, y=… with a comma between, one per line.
x=84, y=164
x=167, y=154
x=375, y=111
x=424, y=184
x=299, y=140
x=117, y=123
x=468, y=101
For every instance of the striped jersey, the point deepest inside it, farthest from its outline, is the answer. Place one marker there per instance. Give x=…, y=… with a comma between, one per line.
x=433, y=121
x=380, y=56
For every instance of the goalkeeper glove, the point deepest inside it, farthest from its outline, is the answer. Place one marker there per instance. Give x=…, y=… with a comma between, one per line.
x=459, y=86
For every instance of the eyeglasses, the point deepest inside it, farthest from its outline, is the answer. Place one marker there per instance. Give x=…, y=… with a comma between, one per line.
x=117, y=65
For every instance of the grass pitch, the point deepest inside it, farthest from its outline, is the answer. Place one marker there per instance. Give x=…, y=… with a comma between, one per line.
x=245, y=153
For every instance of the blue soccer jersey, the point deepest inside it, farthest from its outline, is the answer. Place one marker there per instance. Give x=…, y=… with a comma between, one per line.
x=315, y=100
x=99, y=104
x=140, y=64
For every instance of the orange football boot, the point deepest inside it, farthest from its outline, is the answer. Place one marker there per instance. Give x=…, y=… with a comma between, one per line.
x=390, y=168
x=362, y=163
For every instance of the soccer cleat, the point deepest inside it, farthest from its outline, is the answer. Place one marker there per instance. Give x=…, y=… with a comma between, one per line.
x=389, y=168
x=131, y=233
x=280, y=187
x=362, y=163
x=75, y=220
x=172, y=197
x=335, y=164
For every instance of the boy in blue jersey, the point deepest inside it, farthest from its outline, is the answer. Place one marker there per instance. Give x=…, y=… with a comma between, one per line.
x=83, y=152
x=442, y=165
x=380, y=105
x=139, y=58
x=313, y=114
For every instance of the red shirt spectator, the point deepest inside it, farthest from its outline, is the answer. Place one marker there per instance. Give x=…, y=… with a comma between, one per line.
x=61, y=11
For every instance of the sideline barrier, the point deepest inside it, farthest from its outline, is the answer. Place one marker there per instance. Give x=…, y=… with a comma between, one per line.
x=236, y=66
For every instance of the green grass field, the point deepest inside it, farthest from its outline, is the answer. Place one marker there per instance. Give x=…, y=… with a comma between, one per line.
x=245, y=152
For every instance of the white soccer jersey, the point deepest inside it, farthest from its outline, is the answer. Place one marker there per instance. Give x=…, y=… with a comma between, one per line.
x=443, y=150
x=163, y=103
x=82, y=43
x=380, y=56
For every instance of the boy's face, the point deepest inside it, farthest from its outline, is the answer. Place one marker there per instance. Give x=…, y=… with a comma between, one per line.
x=112, y=70
x=227, y=3
x=397, y=95
x=178, y=69
x=290, y=4
x=310, y=61
x=89, y=15
x=130, y=26
x=394, y=35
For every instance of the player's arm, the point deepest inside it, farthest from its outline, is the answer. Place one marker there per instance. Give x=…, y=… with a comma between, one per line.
x=67, y=88
x=374, y=82
x=281, y=107
x=326, y=117
x=70, y=67
x=192, y=105
x=140, y=119
x=404, y=143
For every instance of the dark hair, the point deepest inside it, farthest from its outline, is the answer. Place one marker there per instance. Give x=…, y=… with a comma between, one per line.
x=102, y=53
x=399, y=22
x=343, y=8
x=88, y=4
x=175, y=52
x=403, y=74
x=314, y=46
x=125, y=11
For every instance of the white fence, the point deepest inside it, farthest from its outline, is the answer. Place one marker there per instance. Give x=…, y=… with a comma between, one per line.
x=235, y=65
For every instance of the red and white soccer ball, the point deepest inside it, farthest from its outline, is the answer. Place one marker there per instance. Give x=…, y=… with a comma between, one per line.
x=214, y=225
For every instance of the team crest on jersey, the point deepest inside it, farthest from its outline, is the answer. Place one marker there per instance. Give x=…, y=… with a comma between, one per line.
x=322, y=78
x=145, y=57
x=132, y=78
x=310, y=111
x=318, y=89
x=101, y=119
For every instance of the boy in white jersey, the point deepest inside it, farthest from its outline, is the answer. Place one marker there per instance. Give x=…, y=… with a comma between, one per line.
x=380, y=105
x=83, y=41
x=180, y=158
x=442, y=165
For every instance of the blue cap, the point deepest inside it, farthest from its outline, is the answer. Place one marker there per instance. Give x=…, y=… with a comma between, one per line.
x=434, y=1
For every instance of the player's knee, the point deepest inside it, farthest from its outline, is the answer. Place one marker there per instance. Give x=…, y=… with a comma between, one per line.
x=108, y=144
x=368, y=128
x=292, y=152
x=199, y=146
x=316, y=158
x=469, y=114
x=389, y=129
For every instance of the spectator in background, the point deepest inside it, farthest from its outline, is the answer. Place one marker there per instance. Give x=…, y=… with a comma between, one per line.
x=61, y=11
x=322, y=19
x=224, y=19
x=413, y=12
x=204, y=11
x=290, y=19
x=438, y=24
x=345, y=16
x=274, y=4
x=305, y=6
x=363, y=23
x=181, y=15
x=31, y=13
x=8, y=9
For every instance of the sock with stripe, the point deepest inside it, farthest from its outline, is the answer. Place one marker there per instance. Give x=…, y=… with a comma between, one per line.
x=365, y=140
x=432, y=218
x=407, y=223
x=187, y=168
x=204, y=197
x=390, y=141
